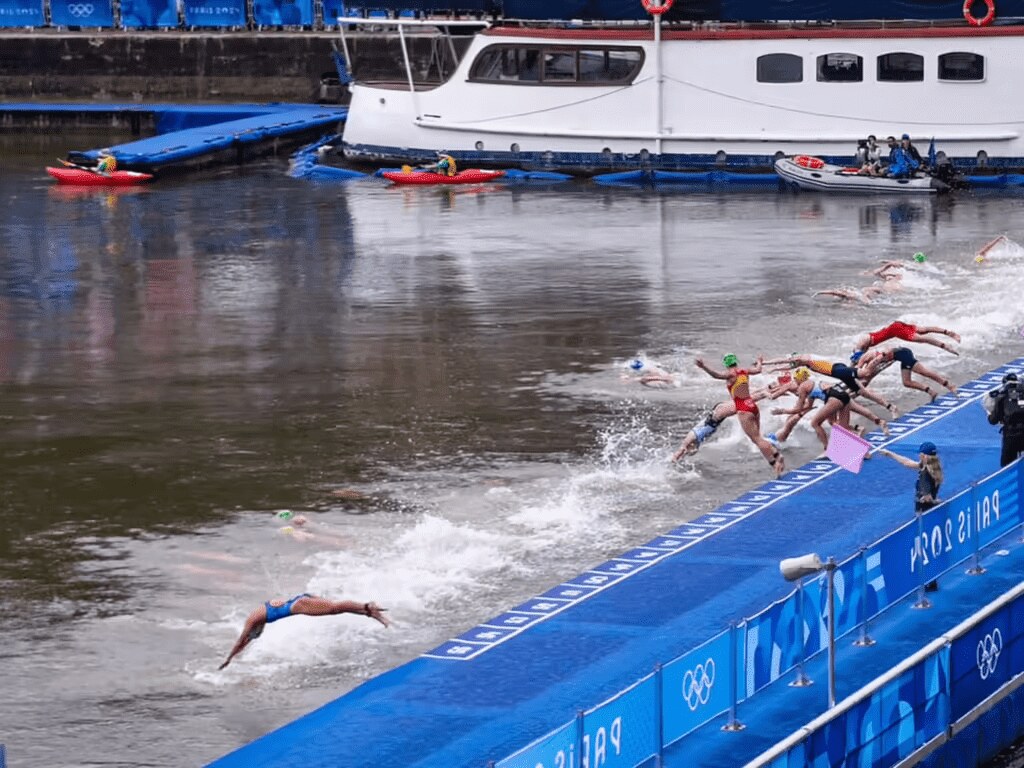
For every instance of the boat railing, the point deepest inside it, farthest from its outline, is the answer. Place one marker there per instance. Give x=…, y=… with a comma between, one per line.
x=437, y=26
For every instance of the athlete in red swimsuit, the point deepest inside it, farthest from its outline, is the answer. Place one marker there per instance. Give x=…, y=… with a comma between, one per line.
x=905, y=332
x=737, y=381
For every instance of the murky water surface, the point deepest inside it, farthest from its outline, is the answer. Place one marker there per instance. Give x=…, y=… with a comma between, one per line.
x=179, y=362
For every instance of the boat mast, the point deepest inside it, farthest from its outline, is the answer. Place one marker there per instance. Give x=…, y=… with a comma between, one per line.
x=659, y=107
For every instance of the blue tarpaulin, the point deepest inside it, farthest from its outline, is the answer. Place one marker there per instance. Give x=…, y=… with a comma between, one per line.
x=149, y=13
x=81, y=13
x=215, y=13
x=287, y=13
x=21, y=13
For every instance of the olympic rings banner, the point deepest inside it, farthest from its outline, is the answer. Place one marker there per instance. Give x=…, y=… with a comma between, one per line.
x=695, y=688
x=985, y=658
x=81, y=13
x=21, y=13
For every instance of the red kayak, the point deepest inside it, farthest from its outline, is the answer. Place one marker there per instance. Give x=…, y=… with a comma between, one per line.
x=83, y=177
x=469, y=176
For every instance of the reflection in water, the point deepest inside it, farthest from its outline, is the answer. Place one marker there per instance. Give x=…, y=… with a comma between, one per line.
x=178, y=362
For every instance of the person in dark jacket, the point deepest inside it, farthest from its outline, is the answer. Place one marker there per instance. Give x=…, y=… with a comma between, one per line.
x=1005, y=407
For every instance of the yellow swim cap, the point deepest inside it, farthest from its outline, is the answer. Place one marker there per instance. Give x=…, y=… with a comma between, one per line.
x=801, y=374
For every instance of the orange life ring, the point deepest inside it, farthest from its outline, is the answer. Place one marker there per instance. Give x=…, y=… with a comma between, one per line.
x=985, y=20
x=656, y=10
x=809, y=162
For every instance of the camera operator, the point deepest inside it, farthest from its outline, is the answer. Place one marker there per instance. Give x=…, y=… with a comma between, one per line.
x=1005, y=406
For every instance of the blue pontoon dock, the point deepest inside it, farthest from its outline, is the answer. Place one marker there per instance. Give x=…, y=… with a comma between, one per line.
x=642, y=659
x=189, y=135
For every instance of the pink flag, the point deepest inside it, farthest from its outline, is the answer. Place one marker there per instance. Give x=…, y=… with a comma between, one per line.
x=847, y=449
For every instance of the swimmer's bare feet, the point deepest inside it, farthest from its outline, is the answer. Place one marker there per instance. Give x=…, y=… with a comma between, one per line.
x=949, y=348
x=952, y=334
x=884, y=425
x=949, y=385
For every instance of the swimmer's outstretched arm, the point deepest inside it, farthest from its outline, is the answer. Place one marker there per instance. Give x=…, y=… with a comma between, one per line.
x=712, y=372
x=757, y=367
x=253, y=626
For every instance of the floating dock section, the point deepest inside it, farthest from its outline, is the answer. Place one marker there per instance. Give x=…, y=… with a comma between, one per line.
x=647, y=656
x=189, y=135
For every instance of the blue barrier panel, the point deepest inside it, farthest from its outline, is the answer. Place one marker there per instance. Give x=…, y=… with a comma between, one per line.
x=21, y=13
x=286, y=13
x=149, y=13
x=981, y=661
x=623, y=731
x=777, y=639
x=889, y=724
x=554, y=749
x=215, y=13
x=695, y=688
x=81, y=13
x=947, y=535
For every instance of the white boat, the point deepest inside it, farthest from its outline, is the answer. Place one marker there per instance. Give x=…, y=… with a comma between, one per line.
x=698, y=96
x=808, y=172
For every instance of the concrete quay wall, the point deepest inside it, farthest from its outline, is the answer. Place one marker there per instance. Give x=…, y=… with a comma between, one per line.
x=180, y=66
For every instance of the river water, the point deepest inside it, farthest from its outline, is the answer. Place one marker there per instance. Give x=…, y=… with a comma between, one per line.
x=436, y=378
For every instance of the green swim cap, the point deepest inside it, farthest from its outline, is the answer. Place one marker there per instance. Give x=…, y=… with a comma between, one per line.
x=730, y=360
x=285, y=514
x=919, y=257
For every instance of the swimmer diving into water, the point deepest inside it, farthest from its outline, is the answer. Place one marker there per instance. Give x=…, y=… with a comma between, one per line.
x=904, y=332
x=305, y=605
x=737, y=382
x=878, y=360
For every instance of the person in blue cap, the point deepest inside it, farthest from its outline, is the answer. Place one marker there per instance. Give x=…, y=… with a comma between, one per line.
x=929, y=475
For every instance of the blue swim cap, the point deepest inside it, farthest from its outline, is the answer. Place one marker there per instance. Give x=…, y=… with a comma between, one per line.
x=857, y=355
x=636, y=364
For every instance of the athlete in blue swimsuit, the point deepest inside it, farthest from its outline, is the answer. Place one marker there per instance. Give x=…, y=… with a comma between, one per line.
x=304, y=604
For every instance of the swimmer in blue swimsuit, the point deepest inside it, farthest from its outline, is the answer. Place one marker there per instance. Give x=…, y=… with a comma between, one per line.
x=304, y=604
x=877, y=361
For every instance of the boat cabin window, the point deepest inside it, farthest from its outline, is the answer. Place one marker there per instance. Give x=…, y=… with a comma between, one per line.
x=840, y=68
x=556, y=65
x=901, y=68
x=961, y=66
x=780, y=68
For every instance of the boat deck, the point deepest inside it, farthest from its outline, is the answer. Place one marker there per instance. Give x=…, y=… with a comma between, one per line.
x=495, y=688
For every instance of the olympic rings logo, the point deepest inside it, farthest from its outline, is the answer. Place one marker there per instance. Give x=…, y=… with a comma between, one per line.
x=988, y=653
x=79, y=10
x=697, y=684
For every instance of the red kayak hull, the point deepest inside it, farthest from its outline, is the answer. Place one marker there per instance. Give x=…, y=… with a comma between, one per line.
x=469, y=176
x=83, y=178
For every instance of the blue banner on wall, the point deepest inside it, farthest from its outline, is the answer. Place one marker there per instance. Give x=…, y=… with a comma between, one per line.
x=288, y=13
x=81, y=13
x=622, y=732
x=215, y=13
x=21, y=13
x=695, y=688
x=149, y=13
x=980, y=662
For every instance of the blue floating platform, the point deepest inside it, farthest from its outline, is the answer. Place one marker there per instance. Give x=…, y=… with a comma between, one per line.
x=197, y=133
x=497, y=687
